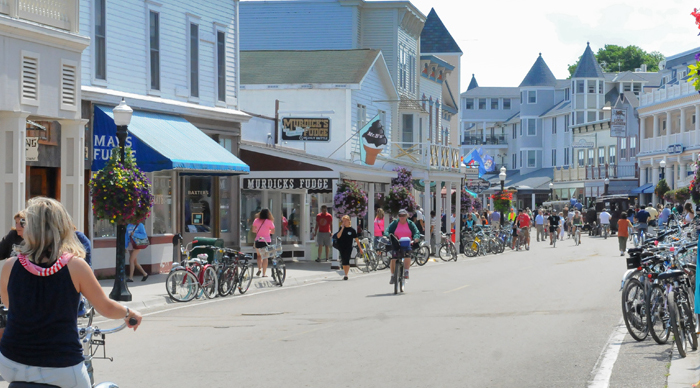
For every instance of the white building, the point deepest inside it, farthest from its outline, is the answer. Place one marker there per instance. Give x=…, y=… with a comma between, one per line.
x=41, y=132
x=669, y=128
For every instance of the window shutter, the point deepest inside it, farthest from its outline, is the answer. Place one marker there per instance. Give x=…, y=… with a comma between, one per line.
x=30, y=80
x=68, y=86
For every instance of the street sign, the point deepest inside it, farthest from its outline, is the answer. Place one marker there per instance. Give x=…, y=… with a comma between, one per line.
x=472, y=173
x=675, y=149
x=618, y=123
x=478, y=185
x=32, y=149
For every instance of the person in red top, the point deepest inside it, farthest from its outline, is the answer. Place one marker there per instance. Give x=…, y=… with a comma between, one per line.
x=523, y=221
x=324, y=222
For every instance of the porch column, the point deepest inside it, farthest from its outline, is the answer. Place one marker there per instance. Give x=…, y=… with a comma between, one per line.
x=427, y=207
x=458, y=214
x=448, y=204
x=655, y=181
x=656, y=126
x=73, y=169
x=370, y=210
x=334, y=259
x=483, y=132
x=668, y=128
x=13, y=133
x=533, y=203
x=683, y=172
x=642, y=128
x=438, y=214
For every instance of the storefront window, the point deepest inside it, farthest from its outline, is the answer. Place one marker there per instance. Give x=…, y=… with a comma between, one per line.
x=198, y=204
x=163, y=202
x=291, y=218
x=316, y=200
x=225, y=214
x=104, y=228
x=251, y=204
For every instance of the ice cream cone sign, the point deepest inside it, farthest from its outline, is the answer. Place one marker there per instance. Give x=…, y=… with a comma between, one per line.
x=372, y=140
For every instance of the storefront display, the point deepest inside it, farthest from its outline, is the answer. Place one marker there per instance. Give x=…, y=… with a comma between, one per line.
x=198, y=204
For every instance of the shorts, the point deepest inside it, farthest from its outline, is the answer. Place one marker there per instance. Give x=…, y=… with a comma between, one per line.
x=73, y=376
x=553, y=229
x=345, y=256
x=260, y=244
x=525, y=231
x=323, y=239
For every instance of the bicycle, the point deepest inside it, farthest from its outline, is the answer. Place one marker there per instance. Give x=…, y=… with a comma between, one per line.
x=577, y=234
x=192, y=278
x=234, y=272
x=279, y=268
x=369, y=256
x=90, y=346
x=447, y=250
x=606, y=230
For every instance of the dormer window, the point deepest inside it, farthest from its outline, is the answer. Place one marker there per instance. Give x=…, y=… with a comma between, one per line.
x=532, y=97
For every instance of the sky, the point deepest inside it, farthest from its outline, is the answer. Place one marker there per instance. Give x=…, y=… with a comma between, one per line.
x=502, y=39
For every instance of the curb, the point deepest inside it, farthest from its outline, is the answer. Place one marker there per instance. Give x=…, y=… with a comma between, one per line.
x=684, y=372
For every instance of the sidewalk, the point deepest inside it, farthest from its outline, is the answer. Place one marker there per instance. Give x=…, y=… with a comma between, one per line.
x=684, y=372
x=151, y=293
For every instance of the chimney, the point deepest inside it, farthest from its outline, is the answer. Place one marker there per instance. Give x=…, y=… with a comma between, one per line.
x=644, y=67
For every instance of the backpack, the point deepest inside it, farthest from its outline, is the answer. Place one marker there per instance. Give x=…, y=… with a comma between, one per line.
x=336, y=243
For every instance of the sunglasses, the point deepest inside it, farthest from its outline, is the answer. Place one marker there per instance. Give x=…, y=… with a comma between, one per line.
x=403, y=215
x=22, y=222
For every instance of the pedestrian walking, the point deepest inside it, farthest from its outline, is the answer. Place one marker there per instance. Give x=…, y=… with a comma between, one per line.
x=137, y=241
x=40, y=338
x=346, y=235
x=495, y=219
x=539, y=226
x=14, y=238
x=623, y=234
x=689, y=213
x=322, y=230
x=420, y=218
x=378, y=226
x=263, y=227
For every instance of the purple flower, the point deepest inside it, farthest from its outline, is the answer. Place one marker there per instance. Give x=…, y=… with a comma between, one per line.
x=697, y=57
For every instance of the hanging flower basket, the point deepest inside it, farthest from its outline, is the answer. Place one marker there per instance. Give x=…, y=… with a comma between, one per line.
x=661, y=188
x=695, y=184
x=121, y=193
x=350, y=200
x=399, y=198
x=502, y=200
x=404, y=178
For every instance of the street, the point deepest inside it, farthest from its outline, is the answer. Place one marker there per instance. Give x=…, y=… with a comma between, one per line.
x=528, y=319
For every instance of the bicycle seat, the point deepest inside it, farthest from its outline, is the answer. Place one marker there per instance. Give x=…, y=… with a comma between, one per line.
x=671, y=274
x=196, y=261
x=448, y=234
x=23, y=384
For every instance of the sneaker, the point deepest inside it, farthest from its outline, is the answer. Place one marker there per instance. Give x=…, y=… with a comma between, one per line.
x=391, y=280
x=622, y=253
x=345, y=278
x=318, y=260
x=405, y=274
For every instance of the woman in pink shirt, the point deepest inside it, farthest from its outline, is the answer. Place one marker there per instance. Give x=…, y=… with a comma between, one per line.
x=263, y=227
x=378, y=226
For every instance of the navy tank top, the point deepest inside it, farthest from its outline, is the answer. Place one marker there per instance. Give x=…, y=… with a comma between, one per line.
x=42, y=323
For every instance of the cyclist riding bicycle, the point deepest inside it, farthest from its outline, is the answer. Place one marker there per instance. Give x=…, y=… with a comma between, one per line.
x=605, y=219
x=523, y=221
x=577, y=222
x=553, y=220
x=403, y=227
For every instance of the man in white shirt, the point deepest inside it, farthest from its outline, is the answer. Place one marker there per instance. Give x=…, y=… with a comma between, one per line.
x=420, y=218
x=604, y=219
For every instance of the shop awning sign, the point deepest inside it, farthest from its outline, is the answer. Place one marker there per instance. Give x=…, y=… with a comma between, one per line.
x=583, y=143
x=306, y=129
x=618, y=123
x=287, y=184
x=675, y=149
x=32, y=149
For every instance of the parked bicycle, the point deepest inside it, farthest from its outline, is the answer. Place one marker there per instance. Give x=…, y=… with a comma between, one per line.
x=192, y=278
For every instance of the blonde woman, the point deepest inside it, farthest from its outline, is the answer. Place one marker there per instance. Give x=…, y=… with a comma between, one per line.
x=345, y=237
x=41, y=337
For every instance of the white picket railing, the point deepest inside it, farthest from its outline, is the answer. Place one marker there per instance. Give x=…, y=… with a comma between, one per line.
x=682, y=89
x=62, y=14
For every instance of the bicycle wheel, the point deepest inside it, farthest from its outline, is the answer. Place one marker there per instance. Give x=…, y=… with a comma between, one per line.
x=688, y=323
x=209, y=282
x=676, y=326
x=658, y=317
x=421, y=255
x=444, y=252
x=365, y=258
x=471, y=249
x=279, y=272
x=227, y=281
x=398, y=269
x=182, y=285
x=634, y=309
x=374, y=261
x=453, y=251
x=245, y=277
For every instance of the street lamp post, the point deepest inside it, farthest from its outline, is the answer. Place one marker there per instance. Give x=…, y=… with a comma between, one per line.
x=662, y=164
x=120, y=291
x=502, y=177
x=551, y=191
x=607, y=184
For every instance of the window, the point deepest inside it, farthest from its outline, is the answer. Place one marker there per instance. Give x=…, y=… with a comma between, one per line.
x=407, y=127
x=100, y=40
x=633, y=147
x=194, y=60
x=482, y=103
x=531, y=158
x=663, y=125
x=361, y=116
x=636, y=88
x=566, y=94
x=579, y=87
x=251, y=203
x=522, y=98
x=521, y=159
x=531, y=127
x=579, y=117
x=581, y=158
x=623, y=148
x=506, y=103
x=554, y=125
x=591, y=117
x=198, y=198
x=494, y=104
x=591, y=86
x=469, y=103
x=154, y=19
x=515, y=131
x=600, y=87
x=407, y=69
x=162, y=202
x=554, y=158
x=627, y=87
x=611, y=155
x=514, y=166
x=566, y=156
x=566, y=123
x=601, y=156
x=532, y=97
x=221, y=64
x=591, y=157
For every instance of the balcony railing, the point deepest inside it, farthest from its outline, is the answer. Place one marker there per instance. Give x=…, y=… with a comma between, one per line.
x=682, y=89
x=62, y=14
x=661, y=143
x=611, y=171
x=433, y=155
x=480, y=140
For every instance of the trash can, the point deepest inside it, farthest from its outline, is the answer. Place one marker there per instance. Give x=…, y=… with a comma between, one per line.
x=198, y=248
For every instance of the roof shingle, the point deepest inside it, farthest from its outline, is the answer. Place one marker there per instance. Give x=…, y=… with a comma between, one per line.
x=539, y=75
x=435, y=38
x=588, y=66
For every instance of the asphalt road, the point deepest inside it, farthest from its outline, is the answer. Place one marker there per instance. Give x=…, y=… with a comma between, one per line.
x=540, y=318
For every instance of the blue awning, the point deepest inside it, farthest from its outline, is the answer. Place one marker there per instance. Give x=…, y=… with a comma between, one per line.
x=644, y=189
x=163, y=142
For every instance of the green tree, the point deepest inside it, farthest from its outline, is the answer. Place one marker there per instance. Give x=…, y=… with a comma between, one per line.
x=628, y=58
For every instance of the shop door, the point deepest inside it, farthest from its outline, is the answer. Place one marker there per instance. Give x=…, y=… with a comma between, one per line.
x=44, y=182
x=198, y=202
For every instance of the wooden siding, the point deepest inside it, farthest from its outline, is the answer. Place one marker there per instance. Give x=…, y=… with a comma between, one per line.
x=127, y=47
x=371, y=90
x=379, y=31
x=296, y=26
